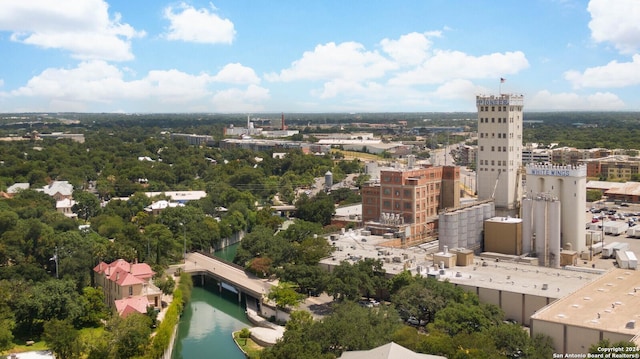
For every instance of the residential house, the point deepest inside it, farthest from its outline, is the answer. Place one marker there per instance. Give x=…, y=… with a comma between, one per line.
x=127, y=287
x=58, y=190
x=65, y=206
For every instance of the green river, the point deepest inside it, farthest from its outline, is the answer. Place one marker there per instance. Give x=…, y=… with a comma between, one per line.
x=208, y=321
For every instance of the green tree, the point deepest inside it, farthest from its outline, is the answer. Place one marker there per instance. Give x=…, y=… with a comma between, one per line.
x=129, y=336
x=87, y=204
x=93, y=308
x=416, y=300
x=460, y=318
x=284, y=295
x=593, y=195
x=318, y=209
x=352, y=327
x=161, y=242
x=245, y=334
x=62, y=338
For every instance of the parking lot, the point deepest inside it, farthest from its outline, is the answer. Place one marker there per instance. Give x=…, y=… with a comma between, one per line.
x=632, y=211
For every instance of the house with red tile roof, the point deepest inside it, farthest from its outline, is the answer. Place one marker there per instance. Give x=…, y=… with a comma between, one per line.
x=127, y=287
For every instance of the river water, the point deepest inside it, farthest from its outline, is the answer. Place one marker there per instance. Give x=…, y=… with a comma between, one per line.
x=208, y=321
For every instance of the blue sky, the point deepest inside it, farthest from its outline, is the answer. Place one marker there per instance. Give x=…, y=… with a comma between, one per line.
x=317, y=56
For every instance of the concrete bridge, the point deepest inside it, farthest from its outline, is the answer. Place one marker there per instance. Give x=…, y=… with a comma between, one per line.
x=230, y=276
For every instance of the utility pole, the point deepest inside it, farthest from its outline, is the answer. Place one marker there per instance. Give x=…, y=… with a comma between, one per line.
x=184, y=243
x=55, y=259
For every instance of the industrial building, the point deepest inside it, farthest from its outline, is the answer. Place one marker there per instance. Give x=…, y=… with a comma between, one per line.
x=606, y=308
x=503, y=235
x=516, y=285
x=519, y=289
x=500, y=151
x=553, y=193
x=403, y=205
x=463, y=227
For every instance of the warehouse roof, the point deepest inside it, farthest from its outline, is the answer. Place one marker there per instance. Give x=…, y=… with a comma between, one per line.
x=610, y=303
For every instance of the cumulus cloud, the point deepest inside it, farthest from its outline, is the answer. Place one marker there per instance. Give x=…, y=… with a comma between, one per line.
x=99, y=84
x=198, y=25
x=347, y=61
x=613, y=74
x=237, y=74
x=602, y=101
x=447, y=65
x=238, y=100
x=82, y=27
x=352, y=88
x=616, y=22
x=409, y=49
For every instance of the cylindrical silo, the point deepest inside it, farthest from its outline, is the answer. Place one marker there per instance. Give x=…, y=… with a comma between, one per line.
x=328, y=180
x=540, y=229
x=453, y=227
x=472, y=229
x=553, y=219
x=445, y=233
x=487, y=213
x=479, y=225
x=462, y=228
x=527, y=219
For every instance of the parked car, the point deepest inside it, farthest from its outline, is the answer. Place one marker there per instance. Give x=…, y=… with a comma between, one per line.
x=415, y=321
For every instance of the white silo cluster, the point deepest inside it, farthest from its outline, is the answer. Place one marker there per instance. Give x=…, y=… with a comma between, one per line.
x=462, y=228
x=567, y=184
x=541, y=228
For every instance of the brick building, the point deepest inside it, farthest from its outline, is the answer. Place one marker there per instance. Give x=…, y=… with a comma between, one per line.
x=403, y=205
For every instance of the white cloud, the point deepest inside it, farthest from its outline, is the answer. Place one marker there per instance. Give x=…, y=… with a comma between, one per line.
x=446, y=65
x=616, y=22
x=98, y=84
x=237, y=100
x=347, y=61
x=198, y=25
x=341, y=87
x=237, y=74
x=458, y=89
x=82, y=27
x=545, y=100
x=409, y=49
x=613, y=74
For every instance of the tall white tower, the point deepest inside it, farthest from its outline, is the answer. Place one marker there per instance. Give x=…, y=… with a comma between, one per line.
x=569, y=185
x=500, y=151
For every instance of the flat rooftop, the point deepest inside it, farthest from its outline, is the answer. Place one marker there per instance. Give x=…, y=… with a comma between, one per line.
x=485, y=272
x=520, y=277
x=353, y=245
x=606, y=304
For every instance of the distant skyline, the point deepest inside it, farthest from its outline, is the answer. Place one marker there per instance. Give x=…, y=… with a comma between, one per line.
x=244, y=56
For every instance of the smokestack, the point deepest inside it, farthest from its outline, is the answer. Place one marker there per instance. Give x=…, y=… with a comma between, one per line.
x=284, y=127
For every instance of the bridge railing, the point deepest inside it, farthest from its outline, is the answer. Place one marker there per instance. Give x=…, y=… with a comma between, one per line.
x=229, y=263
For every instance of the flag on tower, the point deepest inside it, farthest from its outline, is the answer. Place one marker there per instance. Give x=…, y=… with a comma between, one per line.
x=502, y=80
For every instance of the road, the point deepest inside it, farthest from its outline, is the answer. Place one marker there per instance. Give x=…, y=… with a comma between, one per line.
x=249, y=284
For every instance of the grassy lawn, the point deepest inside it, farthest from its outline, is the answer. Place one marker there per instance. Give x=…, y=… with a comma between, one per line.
x=21, y=346
x=251, y=348
x=89, y=333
